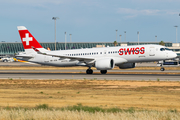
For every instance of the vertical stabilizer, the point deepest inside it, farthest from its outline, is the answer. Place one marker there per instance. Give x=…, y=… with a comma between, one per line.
x=28, y=40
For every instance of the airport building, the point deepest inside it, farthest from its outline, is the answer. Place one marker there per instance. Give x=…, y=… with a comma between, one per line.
x=12, y=48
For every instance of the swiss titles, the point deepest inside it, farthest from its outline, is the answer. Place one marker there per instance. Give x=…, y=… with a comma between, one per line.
x=132, y=51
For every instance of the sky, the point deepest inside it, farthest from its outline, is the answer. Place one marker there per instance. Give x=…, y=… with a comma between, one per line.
x=91, y=20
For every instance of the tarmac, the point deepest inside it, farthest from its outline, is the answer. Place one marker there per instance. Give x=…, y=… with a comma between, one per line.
x=148, y=75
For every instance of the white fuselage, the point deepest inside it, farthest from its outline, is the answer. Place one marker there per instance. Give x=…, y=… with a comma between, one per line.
x=130, y=54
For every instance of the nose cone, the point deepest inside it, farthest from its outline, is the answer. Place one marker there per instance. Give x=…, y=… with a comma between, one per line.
x=173, y=55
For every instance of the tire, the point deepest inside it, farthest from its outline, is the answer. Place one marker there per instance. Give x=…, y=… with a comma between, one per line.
x=162, y=69
x=89, y=71
x=103, y=71
x=5, y=60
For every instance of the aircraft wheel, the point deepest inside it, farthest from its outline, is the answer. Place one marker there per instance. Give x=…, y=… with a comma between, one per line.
x=89, y=71
x=162, y=69
x=103, y=71
x=5, y=60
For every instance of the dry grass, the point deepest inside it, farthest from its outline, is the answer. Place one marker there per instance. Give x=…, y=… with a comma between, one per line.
x=106, y=94
x=151, y=100
x=75, y=115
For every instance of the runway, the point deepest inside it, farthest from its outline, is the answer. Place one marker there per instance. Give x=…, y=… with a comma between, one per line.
x=80, y=74
x=115, y=74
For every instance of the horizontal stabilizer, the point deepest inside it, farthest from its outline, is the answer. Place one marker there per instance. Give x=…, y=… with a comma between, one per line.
x=24, y=56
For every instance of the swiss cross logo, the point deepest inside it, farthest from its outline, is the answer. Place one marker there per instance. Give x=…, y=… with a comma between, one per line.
x=27, y=39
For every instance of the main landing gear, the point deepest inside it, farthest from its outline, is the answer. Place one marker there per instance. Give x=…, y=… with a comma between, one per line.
x=103, y=71
x=89, y=71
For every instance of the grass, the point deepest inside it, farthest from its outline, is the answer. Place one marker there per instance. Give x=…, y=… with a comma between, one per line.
x=79, y=107
x=42, y=106
x=152, y=95
x=80, y=112
x=89, y=99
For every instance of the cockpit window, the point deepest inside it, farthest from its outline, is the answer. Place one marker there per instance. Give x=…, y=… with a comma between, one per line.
x=167, y=49
x=162, y=49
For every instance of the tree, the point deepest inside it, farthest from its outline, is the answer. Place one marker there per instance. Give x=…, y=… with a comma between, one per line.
x=162, y=43
x=115, y=43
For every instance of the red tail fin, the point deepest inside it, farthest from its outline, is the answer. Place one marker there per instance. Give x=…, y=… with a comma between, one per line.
x=27, y=39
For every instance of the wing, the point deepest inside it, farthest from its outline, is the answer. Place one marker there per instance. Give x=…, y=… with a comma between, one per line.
x=65, y=57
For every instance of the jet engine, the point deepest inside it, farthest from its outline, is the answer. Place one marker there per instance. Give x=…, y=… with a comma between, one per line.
x=104, y=64
x=127, y=65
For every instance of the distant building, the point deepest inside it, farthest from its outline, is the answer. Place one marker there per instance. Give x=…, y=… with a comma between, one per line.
x=176, y=48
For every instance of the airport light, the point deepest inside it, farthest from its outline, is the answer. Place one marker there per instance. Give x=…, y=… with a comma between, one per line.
x=156, y=38
x=116, y=35
x=120, y=38
x=125, y=36
x=138, y=37
x=70, y=39
x=55, y=18
x=65, y=40
x=176, y=32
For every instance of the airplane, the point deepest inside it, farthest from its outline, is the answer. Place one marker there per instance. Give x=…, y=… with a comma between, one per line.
x=103, y=59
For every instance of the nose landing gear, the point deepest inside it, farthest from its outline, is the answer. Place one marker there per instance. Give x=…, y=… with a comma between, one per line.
x=162, y=69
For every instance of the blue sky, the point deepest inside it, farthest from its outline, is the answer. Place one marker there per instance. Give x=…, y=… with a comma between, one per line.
x=91, y=20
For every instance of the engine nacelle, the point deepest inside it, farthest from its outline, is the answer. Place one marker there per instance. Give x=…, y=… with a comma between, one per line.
x=127, y=65
x=104, y=64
